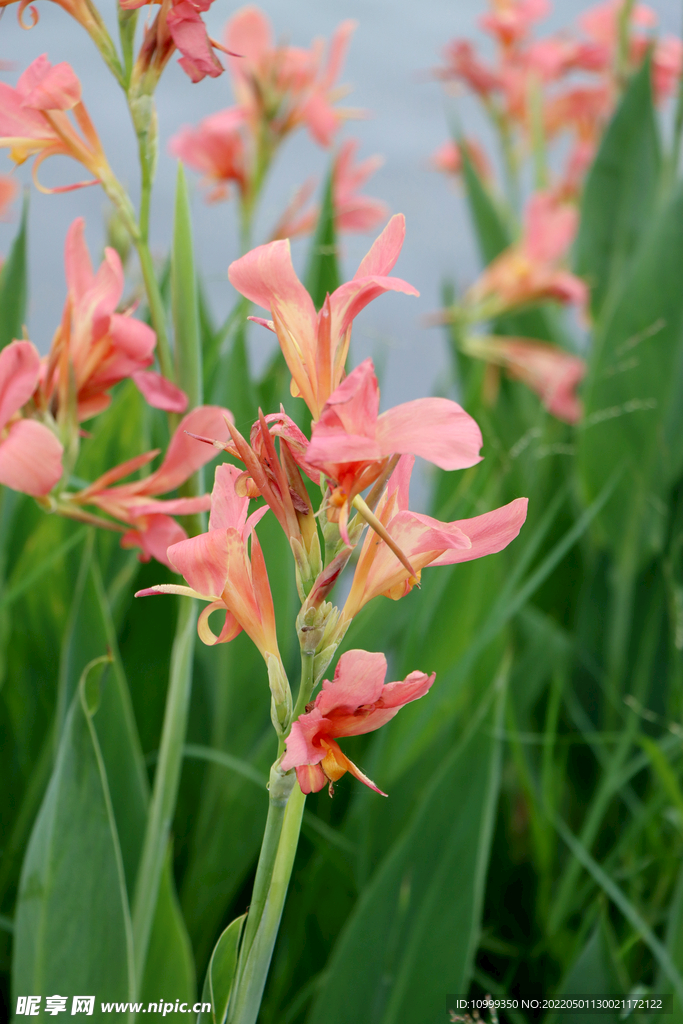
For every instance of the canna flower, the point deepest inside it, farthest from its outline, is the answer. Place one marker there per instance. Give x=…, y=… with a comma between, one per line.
x=136, y=504
x=285, y=86
x=352, y=445
x=315, y=345
x=355, y=702
x=216, y=149
x=550, y=372
x=352, y=211
x=178, y=25
x=219, y=569
x=425, y=541
x=528, y=271
x=462, y=64
x=510, y=21
x=30, y=454
x=34, y=121
x=95, y=347
x=8, y=193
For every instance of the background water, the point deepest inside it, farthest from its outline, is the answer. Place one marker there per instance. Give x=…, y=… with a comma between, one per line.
x=395, y=45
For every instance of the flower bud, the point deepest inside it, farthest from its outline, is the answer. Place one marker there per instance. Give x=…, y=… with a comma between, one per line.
x=281, y=704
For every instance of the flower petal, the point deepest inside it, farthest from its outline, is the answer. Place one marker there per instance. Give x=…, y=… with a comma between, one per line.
x=159, y=392
x=154, y=534
x=488, y=533
x=231, y=626
x=203, y=561
x=385, y=250
x=30, y=458
x=228, y=509
x=19, y=372
x=302, y=743
x=358, y=679
x=434, y=428
x=185, y=455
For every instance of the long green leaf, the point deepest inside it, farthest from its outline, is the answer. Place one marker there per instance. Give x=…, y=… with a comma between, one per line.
x=220, y=973
x=188, y=351
x=14, y=286
x=322, y=273
x=620, y=192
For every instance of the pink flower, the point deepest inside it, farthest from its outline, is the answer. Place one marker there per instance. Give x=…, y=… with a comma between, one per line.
x=8, y=193
x=315, y=345
x=351, y=444
x=30, y=454
x=136, y=503
x=178, y=25
x=94, y=346
x=462, y=64
x=219, y=569
x=355, y=702
x=352, y=211
x=510, y=21
x=285, y=85
x=159, y=392
x=528, y=271
x=424, y=541
x=667, y=64
x=216, y=149
x=549, y=371
x=34, y=121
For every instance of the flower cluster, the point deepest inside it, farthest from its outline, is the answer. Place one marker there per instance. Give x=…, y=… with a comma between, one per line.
x=352, y=449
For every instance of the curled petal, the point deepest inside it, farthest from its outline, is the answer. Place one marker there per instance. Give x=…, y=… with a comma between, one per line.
x=170, y=588
x=231, y=626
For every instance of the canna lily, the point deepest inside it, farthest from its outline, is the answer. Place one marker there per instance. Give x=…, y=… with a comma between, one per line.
x=549, y=371
x=219, y=569
x=528, y=271
x=424, y=540
x=30, y=454
x=352, y=211
x=178, y=25
x=510, y=21
x=94, y=346
x=216, y=149
x=315, y=345
x=355, y=702
x=136, y=503
x=352, y=445
x=34, y=121
x=285, y=85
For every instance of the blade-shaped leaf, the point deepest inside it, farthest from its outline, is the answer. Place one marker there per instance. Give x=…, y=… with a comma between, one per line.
x=322, y=272
x=184, y=300
x=415, y=929
x=221, y=972
x=14, y=286
x=620, y=192
x=493, y=234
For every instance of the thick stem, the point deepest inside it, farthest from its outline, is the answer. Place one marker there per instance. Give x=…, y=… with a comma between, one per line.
x=246, y=1001
x=306, y=685
x=166, y=780
x=156, y=309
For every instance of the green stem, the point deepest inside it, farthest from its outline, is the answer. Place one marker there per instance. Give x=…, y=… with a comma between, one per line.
x=166, y=780
x=622, y=59
x=251, y=980
x=156, y=309
x=306, y=685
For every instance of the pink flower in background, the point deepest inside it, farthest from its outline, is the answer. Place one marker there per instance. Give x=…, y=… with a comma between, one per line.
x=178, y=25
x=30, y=454
x=315, y=345
x=219, y=569
x=8, y=193
x=95, y=346
x=528, y=271
x=351, y=444
x=424, y=541
x=448, y=158
x=549, y=371
x=285, y=85
x=159, y=392
x=34, y=121
x=462, y=64
x=510, y=21
x=352, y=211
x=216, y=149
x=667, y=64
x=355, y=702
x=136, y=503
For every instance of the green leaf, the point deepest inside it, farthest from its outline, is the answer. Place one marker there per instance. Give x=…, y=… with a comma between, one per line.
x=414, y=931
x=188, y=350
x=169, y=971
x=72, y=925
x=220, y=973
x=14, y=286
x=633, y=410
x=620, y=192
x=592, y=973
x=493, y=234
x=322, y=272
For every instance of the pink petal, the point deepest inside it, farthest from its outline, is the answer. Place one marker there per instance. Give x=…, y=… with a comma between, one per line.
x=156, y=536
x=488, y=533
x=228, y=509
x=189, y=35
x=19, y=373
x=230, y=629
x=414, y=686
x=30, y=458
x=185, y=455
x=172, y=507
x=203, y=561
x=339, y=45
x=322, y=120
x=311, y=778
x=301, y=746
x=159, y=392
x=53, y=88
x=434, y=428
x=248, y=33
x=385, y=250
x=358, y=679
x=353, y=296
x=79, y=273
x=133, y=339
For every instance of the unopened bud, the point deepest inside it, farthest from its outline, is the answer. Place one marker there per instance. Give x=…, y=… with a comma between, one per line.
x=321, y=662
x=118, y=235
x=281, y=704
